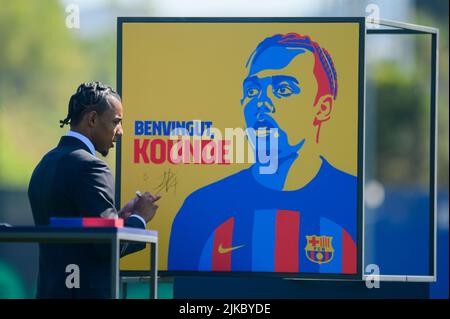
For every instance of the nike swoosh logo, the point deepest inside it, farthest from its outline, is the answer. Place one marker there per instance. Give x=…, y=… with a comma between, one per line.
x=228, y=249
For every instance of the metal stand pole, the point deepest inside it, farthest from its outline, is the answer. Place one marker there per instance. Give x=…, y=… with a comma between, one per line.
x=153, y=271
x=115, y=255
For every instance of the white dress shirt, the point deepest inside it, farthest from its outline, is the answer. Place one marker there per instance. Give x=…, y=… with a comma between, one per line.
x=84, y=139
x=91, y=147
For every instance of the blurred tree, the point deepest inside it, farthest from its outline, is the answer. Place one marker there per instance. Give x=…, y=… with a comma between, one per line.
x=435, y=8
x=403, y=103
x=435, y=13
x=402, y=131
x=41, y=64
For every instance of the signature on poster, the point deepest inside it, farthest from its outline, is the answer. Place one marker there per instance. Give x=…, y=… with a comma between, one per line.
x=168, y=181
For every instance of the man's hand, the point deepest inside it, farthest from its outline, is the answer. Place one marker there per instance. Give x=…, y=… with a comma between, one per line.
x=145, y=206
x=127, y=210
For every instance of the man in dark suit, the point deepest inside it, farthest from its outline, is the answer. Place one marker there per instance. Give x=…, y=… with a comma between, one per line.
x=70, y=181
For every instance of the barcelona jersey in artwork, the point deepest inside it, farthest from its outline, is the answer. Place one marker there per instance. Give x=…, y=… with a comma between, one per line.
x=236, y=224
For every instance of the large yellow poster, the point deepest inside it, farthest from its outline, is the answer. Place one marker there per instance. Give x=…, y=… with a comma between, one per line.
x=251, y=132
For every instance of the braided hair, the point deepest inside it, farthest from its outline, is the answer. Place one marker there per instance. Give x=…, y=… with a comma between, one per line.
x=90, y=96
x=324, y=68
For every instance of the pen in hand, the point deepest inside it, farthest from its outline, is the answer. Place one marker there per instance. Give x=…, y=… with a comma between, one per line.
x=144, y=205
x=154, y=198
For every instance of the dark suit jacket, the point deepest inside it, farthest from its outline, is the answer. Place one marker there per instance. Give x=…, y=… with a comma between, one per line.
x=70, y=182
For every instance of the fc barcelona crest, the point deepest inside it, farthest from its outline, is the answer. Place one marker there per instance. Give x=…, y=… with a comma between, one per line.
x=319, y=249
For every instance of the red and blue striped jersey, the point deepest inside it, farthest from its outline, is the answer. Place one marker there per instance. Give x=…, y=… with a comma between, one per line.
x=236, y=224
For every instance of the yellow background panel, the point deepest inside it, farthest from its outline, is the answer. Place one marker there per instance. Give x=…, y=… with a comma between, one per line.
x=194, y=71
